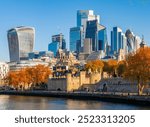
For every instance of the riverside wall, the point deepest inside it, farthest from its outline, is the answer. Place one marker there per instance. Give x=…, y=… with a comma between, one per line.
x=127, y=98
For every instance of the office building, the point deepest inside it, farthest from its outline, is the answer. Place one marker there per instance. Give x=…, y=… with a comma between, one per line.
x=92, y=30
x=40, y=54
x=20, y=42
x=58, y=42
x=86, y=15
x=77, y=34
x=53, y=47
x=116, y=40
x=76, y=39
x=133, y=41
x=87, y=48
x=102, y=38
x=59, y=38
x=4, y=69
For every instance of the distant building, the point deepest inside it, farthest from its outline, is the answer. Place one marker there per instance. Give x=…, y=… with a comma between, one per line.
x=58, y=42
x=28, y=63
x=4, y=69
x=20, y=42
x=76, y=39
x=142, y=44
x=41, y=54
x=92, y=32
x=102, y=38
x=77, y=34
x=86, y=15
x=72, y=83
x=87, y=48
x=59, y=38
x=53, y=47
x=98, y=34
x=117, y=40
x=133, y=42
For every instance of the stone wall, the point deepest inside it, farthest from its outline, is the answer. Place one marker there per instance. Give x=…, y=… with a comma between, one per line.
x=55, y=84
x=71, y=83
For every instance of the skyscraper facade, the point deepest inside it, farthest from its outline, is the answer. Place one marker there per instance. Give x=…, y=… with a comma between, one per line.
x=86, y=15
x=58, y=42
x=20, y=42
x=60, y=39
x=76, y=38
x=102, y=38
x=133, y=41
x=53, y=47
x=116, y=40
x=92, y=32
x=77, y=34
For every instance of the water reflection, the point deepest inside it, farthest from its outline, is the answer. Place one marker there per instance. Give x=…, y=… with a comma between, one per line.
x=44, y=103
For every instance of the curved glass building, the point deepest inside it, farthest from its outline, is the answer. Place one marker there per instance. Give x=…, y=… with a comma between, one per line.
x=20, y=42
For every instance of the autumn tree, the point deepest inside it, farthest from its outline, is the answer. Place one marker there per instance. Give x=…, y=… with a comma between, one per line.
x=110, y=66
x=27, y=76
x=121, y=67
x=138, y=68
x=94, y=65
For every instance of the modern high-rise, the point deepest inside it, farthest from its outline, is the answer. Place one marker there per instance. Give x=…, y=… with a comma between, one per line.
x=20, y=42
x=59, y=38
x=76, y=38
x=86, y=15
x=77, y=34
x=87, y=48
x=98, y=34
x=133, y=42
x=58, y=42
x=117, y=41
x=92, y=32
x=102, y=38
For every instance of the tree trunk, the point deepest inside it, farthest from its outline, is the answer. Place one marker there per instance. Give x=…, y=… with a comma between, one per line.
x=140, y=89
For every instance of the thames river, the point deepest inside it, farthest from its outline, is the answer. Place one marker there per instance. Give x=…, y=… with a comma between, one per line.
x=48, y=103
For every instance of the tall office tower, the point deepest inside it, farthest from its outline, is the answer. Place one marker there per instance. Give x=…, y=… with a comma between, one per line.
x=58, y=42
x=92, y=30
x=53, y=47
x=76, y=39
x=137, y=42
x=60, y=39
x=86, y=15
x=77, y=34
x=130, y=40
x=20, y=41
x=102, y=38
x=116, y=40
x=87, y=48
x=124, y=43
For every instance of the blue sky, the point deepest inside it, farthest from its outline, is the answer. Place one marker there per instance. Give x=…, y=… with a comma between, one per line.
x=50, y=17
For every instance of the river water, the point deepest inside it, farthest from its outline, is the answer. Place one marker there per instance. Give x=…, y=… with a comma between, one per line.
x=48, y=103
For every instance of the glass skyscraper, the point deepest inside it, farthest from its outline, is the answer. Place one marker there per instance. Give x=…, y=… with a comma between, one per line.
x=116, y=40
x=76, y=38
x=77, y=34
x=58, y=42
x=102, y=38
x=20, y=42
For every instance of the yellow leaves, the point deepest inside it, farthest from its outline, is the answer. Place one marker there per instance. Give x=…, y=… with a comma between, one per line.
x=30, y=75
x=94, y=65
x=138, y=65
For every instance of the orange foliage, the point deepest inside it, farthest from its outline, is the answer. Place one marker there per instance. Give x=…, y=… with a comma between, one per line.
x=94, y=65
x=110, y=66
x=27, y=76
x=138, y=67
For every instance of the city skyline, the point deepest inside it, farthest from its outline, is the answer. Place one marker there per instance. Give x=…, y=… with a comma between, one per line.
x=48, y=20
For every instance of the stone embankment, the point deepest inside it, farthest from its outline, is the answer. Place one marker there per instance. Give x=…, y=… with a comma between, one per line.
x=115, y=97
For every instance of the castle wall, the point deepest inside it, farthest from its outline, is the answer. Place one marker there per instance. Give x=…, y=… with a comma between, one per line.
x=55, y=84
x=71, y=83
